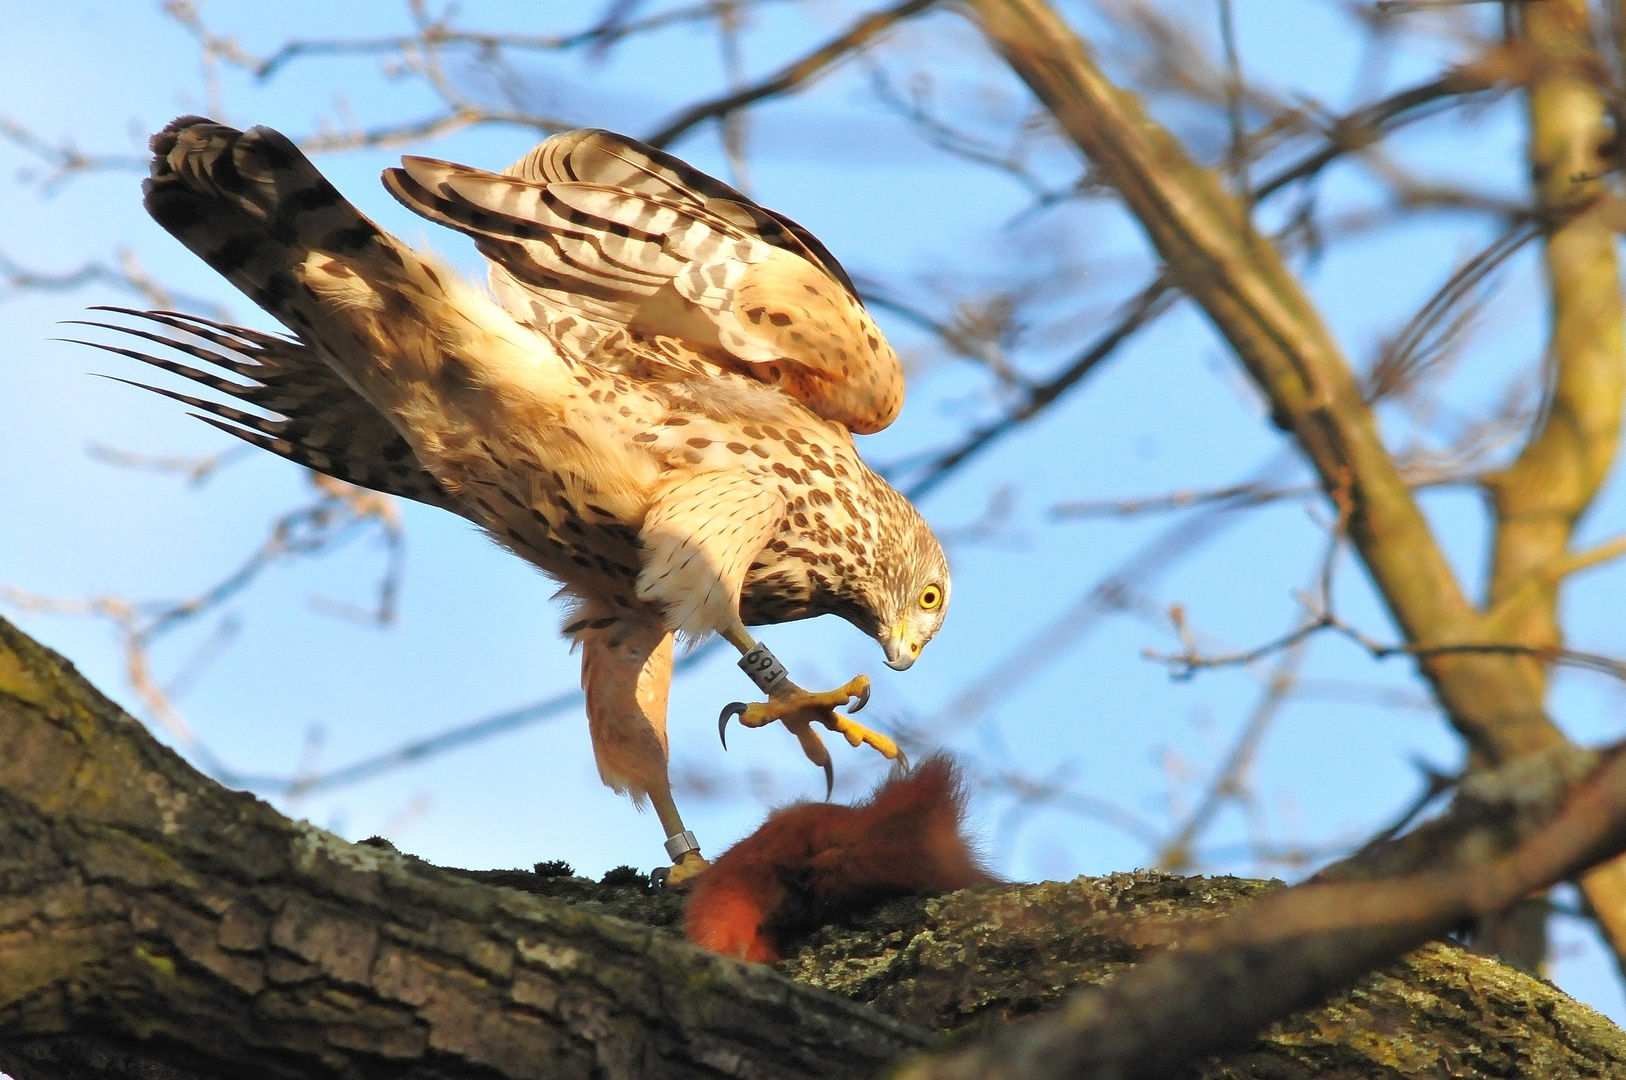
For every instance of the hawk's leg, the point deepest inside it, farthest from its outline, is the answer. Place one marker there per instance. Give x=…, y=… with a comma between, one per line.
x=681, y=846
x=799, y=709
x=627, y=673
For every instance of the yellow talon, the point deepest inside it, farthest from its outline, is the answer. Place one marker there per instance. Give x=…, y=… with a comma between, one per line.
x=685, y=870
x=857, y=734
x=762, y=713
x=799, y=709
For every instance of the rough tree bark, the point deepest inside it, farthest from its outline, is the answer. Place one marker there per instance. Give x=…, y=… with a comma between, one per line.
x=150, y=918
x=155, y=925
x=1539, y=500
x=1494, y=697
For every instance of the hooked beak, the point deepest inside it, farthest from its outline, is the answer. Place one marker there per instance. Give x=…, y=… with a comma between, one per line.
x=899, y=654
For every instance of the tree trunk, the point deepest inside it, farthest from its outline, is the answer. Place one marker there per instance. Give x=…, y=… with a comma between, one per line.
x=151, y=917
x=155, y=925
x=970, y=960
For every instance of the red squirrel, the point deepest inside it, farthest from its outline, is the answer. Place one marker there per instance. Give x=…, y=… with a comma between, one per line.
x=810, y=863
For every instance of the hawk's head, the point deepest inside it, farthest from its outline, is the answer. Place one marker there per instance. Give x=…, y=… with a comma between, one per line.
x=916, y=595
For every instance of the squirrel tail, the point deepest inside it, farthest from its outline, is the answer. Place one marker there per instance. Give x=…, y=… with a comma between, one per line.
x=812, y=863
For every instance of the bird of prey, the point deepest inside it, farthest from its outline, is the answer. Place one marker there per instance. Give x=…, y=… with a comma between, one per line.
x=654, y=405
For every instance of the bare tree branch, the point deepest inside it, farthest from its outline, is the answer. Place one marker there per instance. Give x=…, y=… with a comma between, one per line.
x=1264, y=314
x=338, y=512
x=64, y=162
x=795, y=74
x=1143, y=309
x=128, y=275
x=435, y=32
x=1177, y=852
x=1242, y=284
x=1533, y=823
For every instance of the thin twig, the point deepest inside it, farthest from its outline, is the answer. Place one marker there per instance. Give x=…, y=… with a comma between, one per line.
x=1364, y=126
x=437, y=32
x=1238, y=157
x=197, y=470
x=64, y=161
x=1118, y=590
x=914, y=108
x=337, y=514
x=1351, y=132
x=126, y=274
x=302, y=784
x=1052, y=793
x=407, y=133
x=1403, y=7
x=977, y=332
x=1426, y=336
x=1142, y=309
x=1229, y=783
x=736, y=125
x=792, y=75
x=1424, y=476
x=1185, y=664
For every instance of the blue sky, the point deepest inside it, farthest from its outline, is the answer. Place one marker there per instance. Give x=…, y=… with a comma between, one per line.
x=478, y=630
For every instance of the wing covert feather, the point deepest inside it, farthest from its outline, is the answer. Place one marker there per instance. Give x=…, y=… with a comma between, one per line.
x=596, y=156
x=593, y=235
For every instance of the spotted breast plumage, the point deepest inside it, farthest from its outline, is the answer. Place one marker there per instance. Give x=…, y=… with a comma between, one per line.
x=655, y=405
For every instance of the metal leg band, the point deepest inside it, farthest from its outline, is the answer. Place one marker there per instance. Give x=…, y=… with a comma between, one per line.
x=681, y=844
x=763, y=667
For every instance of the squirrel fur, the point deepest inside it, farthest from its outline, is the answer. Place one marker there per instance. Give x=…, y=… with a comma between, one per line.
x=811, y=863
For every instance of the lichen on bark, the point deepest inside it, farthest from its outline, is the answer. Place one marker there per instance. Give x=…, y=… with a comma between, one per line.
x=958, y=963
x=155, y=925
x=963, y=962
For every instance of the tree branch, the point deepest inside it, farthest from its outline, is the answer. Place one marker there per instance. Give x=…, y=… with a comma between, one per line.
x=1347, y=134
x=791, y=75
x=259, y=947
x=1240, y=281
x=1538, y=501
x=1509, y=833
x=436, y=32
x=1141, y=309
x=157, y=927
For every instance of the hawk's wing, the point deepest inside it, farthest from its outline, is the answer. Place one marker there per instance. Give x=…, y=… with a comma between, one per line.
x=593, y=234
x=319, y=421
x=595, y=156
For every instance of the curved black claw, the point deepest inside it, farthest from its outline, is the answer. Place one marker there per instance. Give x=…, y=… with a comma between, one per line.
x=658, y=876
x=733, y=708
x=863, y=699
x=829, y=780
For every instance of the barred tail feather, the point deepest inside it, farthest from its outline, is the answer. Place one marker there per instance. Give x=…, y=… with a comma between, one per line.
x=253, y=207
x=384, y=329
x=318, y=421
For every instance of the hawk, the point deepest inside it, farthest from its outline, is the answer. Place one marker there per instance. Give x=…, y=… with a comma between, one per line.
x=654, y=405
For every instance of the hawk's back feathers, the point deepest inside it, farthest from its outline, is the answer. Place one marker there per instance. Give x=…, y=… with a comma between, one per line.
x=595, y=238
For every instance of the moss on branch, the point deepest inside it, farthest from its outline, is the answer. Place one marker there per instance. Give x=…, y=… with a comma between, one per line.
x=155, y=925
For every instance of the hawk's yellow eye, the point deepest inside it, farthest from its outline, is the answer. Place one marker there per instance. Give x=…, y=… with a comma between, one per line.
x=930, y=597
